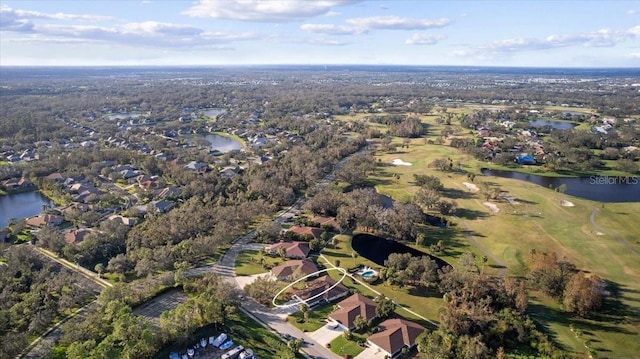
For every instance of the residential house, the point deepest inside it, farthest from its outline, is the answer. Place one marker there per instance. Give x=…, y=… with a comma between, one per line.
x=127, y=221
x=44, y=220
x=326, y=222
x=295, y=249
x=76, y=235
x=167, y=192
x=320, y=290
x=163, y=206
x=56, y=177
x=350, y=308
x=394, y=335
x=526, y=160
x=197, y=166
x=307, y=232
x=294, y=269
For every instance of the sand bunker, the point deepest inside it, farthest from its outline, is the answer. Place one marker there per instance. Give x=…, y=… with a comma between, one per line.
x=471, y=187
x=399, y=162
x=492, y=207
x=566, y=203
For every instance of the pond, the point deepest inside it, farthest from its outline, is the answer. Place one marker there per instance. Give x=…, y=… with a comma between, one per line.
x=377, y=249
x=21, y=205
x=212, y=112
x=221, y=143
x=558, y=125
x=595, y=188
x=123, y=116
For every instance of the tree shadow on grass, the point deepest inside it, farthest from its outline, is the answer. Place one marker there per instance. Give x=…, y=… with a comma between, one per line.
x=455, y=193
x=470, y=214
x=335, y=254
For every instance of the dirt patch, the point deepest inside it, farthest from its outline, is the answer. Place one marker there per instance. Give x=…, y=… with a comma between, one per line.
x=471, y=187
x=492, y=207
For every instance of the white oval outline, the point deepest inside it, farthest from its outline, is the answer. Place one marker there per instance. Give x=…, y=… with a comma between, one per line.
x=300, y=300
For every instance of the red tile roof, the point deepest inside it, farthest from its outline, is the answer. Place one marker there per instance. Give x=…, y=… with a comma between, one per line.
x=353, y=306
x=311, y=231
x=293, y=267
x=395, y=334
x=293, y=249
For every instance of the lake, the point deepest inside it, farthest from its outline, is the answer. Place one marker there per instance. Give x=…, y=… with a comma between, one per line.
x=21, y=205
x=377, y=249
x=221, y=143
x=595, y=188
x=558, y=125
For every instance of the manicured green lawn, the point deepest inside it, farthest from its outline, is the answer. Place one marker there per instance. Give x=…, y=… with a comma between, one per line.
x=343, y=347
x=317, y=318
x=248, y=263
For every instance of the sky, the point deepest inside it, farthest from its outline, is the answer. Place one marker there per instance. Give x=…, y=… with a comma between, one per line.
x=544, y=33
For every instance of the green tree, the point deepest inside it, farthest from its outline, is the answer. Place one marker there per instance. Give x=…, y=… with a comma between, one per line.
x=99, y=268
x=360, y=324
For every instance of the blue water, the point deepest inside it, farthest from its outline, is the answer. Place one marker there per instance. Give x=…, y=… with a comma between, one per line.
x=21, y=205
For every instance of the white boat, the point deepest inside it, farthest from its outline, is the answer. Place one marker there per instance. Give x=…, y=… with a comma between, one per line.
x=203, y=343
x=219, y=340
x=212, y=340
x=232, y=353
x=191, y=352
x=246, y=354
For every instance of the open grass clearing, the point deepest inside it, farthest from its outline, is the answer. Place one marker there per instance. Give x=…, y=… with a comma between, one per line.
x=255, y=262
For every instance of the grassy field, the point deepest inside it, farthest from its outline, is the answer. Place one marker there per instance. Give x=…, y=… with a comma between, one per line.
x=538, y=222
x=248, y=263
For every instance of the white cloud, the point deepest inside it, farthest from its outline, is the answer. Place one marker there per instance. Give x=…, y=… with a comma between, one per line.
x=633, y=11
x=396, y=23
x=330, y=29
x=599, y=38
x=332, y=13
x=634, y=55
x=141, y=34
x=424, y=39
x=9, y=14
x=263, y=11
x=363, y=25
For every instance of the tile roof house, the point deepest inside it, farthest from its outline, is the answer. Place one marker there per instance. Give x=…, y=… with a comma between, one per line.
x=353, y=306
x=293, y=268
x=76, y=235
x=326, y=221
x=307, y=231
x=311, y=294
x=394, y=335
x=293, y=249
x=44, y=220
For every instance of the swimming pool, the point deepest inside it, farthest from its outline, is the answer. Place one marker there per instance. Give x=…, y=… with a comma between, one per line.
x=368, y=274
